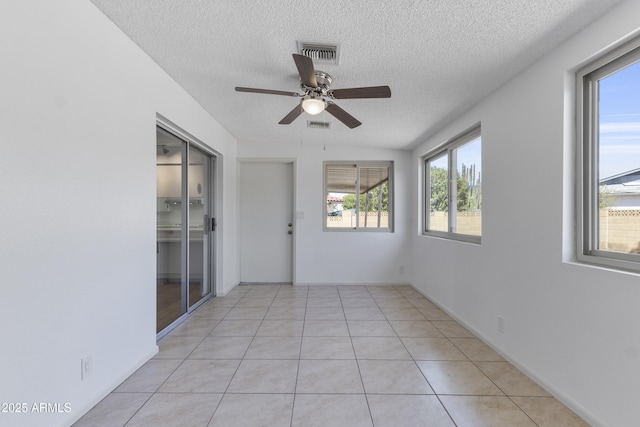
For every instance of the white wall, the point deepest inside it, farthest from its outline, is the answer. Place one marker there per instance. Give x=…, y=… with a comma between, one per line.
x=78, y=110
x=575, y=328
x=78, y=105
x=341, y=257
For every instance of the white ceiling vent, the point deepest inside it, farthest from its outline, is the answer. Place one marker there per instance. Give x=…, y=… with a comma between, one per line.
x=320, y=52
x=318, y=125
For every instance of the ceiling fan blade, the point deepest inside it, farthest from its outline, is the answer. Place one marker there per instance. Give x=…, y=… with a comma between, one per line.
x=342, y=115
x=266, y=91
x=293, y=114
x=362, y=92
x=306, y=70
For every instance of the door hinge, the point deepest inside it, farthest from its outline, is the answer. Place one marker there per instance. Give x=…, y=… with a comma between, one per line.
x=213, y=224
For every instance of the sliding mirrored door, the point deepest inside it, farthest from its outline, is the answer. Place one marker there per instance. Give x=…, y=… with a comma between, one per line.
x=184, y=227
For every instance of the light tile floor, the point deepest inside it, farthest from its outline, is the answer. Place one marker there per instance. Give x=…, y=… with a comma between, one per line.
x=275, y=355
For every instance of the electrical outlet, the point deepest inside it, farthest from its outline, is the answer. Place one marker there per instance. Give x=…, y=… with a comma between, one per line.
x=86, y=366
x=501, y=324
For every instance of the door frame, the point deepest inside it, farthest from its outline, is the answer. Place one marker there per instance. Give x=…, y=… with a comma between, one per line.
x=215, y=209
x=295, y=215
x=210, y=217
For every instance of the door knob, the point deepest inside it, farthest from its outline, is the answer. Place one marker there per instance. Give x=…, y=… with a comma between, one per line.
x=290, y=232
x=290, y=224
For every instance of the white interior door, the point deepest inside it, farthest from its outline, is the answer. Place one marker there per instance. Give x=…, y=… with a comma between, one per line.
x=266, y=222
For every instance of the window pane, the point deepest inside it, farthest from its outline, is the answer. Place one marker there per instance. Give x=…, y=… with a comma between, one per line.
x=374, y=197
x=341, y=183
x=198, y=176
x=170, y=245
x=358, y=195
x=439, y=197
x=619, y=161
x=469, y=189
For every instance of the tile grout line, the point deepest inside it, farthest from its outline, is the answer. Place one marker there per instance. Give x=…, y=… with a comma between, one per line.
x=295, y=385
x=224, y=393
x=177, y=367
x=377, y=297
x=137, y=410
x=420, y=370
x=355, y=355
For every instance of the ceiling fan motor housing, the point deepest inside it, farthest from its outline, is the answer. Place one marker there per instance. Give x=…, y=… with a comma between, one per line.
x=324, y=79
x=324, y=83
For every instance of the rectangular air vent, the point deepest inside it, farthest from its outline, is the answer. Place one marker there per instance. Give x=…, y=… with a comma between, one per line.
x=318, y=125
x=320, y=52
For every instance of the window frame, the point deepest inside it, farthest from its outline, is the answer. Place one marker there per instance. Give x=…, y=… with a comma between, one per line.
x=360, y=164
x=587, y=166
x=449, y=149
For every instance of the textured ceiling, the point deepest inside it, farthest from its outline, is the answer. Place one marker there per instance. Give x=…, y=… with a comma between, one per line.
x=439, y=57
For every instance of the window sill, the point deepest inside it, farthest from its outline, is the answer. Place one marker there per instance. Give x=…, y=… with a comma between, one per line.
x=464, y=238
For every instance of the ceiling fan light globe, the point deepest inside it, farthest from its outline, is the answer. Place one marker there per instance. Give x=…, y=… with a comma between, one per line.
x=313, y=106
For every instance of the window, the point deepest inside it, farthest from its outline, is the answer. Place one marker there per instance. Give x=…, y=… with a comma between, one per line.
x=453, y=189
x=358, y=196
x=608, y=171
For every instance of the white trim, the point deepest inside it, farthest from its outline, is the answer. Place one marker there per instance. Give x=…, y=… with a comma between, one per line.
x=448, y=149
x=359, y=164
x=554, y=391
x=105, y=391
x=310, y=284
x=587, y=182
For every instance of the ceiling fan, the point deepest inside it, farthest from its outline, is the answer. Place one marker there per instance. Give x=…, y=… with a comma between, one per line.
x=318, y=96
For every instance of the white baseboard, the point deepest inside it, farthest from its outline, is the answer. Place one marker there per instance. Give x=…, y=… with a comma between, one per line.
x=558, y=394
x=350, y=284
x=104, y=392
x=226, y=291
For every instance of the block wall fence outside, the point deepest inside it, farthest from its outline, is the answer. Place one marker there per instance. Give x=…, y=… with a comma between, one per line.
x=467, y=222
x=620, y=230
x=348, y=220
